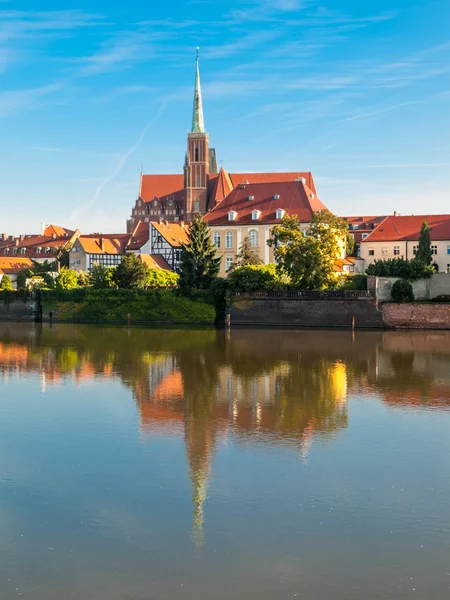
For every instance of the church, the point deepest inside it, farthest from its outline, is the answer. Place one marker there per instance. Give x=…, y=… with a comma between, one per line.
x=201, y=188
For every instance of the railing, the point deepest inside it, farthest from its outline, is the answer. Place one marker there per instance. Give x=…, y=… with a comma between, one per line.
x=307, y=295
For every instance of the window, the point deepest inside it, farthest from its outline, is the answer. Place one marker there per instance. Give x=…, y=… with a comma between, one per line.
x=355, y=226
x=448, y=249
x=434, y=250
x=23, y=250
x=448, y=268
x=253, y=237
x=106, y=260
x=255, y=215
x=15, y=250
x=216, y=239
x=6, y=250
x=232, y=215
x=280, y=213
x=414, y=250
x=196, y=153
x=396, y=250
x=228, y=263
x=229, y=239
x=364, y=235
x=197, y=181
x=197, y=206
x=371, y=252
x=47, y=250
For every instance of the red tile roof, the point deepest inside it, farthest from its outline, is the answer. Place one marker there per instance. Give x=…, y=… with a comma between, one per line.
x=29, y=245
x=154, y=261
x=295, y=198
x=175, y=233
x=407, y=228
x=139, y=237
x=221, y=188
x=9, y=266
x=159, y=186
x=238, y=178
x=58, y=231
x=108, y=243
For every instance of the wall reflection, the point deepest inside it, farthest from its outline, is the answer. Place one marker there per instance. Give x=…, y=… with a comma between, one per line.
x=282, y=388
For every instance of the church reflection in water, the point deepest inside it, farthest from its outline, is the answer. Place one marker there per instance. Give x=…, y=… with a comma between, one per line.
x=285, y=388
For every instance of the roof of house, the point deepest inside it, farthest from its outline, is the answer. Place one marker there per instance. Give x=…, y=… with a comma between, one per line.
x=14, y=265
x=222, y=186
x=159, y=186
x=108, y=243
x=363, y=222
x=154, y=261
x=341, y=262
x=58, y=231
x=238, y=178
x=295, y=198
x=407, y=228
x=174, y=233
x=34, y=246
x=139, y=237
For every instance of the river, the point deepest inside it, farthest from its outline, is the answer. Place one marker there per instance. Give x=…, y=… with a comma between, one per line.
x=145, y=464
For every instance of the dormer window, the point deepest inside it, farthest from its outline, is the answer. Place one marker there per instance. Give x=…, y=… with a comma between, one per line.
x=15, y=250
x=39, y=250
x=251, y=198
x=232, y=215
x=355, y=226
x=23, y=250
x=280, y=213
x=276, y=197
x=47, y=250
x=6, y=250
x=255, y=215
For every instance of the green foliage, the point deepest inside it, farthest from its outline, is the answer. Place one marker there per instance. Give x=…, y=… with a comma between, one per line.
x=357, y=282
x=199, y=264
x=256, y=278
x=402, y=292
x=309, y=258
x=217, y=294
x=349, y=244
x=6, y=283
x=424, y=248
x=42, y=270
x=100, y=277
x=83, y=279
x=160, y=278
x=132, y=273
x=400, y=267
x=247, y=255
x=67, y=279
x=442, y=298
x=87, y=305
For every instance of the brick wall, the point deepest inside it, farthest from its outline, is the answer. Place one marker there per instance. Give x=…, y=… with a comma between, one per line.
x=417, y=316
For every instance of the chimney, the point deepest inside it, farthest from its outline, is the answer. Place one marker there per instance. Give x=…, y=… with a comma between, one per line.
x=166, y=222
x=4, y=237
x=17, y=241
x=21, y=238
x=395, y=213
x=11, y=238
x=54, y=236
x=182, y=224
x=102, y=245
x=42, y=227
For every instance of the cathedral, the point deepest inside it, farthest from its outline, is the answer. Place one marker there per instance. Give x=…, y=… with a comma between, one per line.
x=201, y=187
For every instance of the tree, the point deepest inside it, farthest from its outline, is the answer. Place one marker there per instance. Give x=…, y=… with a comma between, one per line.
x=424, y=248
x=350, y=244
x=309, y=257
x=199, y=264
x=400, y=267
x=101, y=277
x=402, y=292
x=162, y=278
x=67, y=279
x=6, y=283
x=131, y=273
x=247, y=255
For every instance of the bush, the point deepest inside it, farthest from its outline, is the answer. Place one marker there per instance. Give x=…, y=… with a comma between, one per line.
x=160, y=278
x=357, y=282
x=256, y=278
x=402, y=292
x=6, y=283
x=442, y=298
x=399, y=267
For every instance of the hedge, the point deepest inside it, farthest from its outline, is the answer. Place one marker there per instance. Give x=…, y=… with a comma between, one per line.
x=109, y=305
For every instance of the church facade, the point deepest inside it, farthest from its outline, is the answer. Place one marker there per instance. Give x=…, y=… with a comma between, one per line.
x=200, y=188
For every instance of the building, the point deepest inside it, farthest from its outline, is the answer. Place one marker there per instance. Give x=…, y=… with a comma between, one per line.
x=165, y=240
x=47, y=246
x=252, y=209
x=103, y=249
x=398, y=236
x=12, y=267
x=200, y=187
x=360, y=228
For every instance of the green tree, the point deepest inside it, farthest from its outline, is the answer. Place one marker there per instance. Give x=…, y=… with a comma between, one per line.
x=424, y=248
x=67, y=279
x=131, y=273
x=256, y=278
x=308, y=257
x=199, y=264
x=161, y=278
x=400, y=267
x=83, y=279
x=350, y=244
x=247, y=255
x=100, y=277
x=6, y=283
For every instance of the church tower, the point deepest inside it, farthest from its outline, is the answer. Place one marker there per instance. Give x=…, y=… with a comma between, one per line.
x=197, y=163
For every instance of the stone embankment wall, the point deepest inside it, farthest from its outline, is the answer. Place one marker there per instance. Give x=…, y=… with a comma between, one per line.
x=18, y=310
x=417, y=316
x=280, y=312
x=424, y=289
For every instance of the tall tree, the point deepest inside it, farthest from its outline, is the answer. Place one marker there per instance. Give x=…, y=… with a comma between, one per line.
x=247, y=255
x=67, y=279
x=199, y=264
x=309, y=257
x=6, y=283
x=131, y=273
x=101, y=277
x=424, y=248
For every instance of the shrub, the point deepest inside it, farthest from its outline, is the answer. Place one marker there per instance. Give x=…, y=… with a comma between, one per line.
x=357, y=282
x=399, y=267
x=160, y=278
x=255, y=278
x=442, y=298
x=67, y=279
x=402, y=292
x=6, y=283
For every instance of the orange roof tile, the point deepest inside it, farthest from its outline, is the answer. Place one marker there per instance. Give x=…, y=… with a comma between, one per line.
x=295, y=198
x=407, y=228
x=158, y=186
x=14, y=265
x=154, y=261
x=139, y=237
x=110, y=243
x=238, y=178
x=174, y=233
x=222, y=187
x=51, y=230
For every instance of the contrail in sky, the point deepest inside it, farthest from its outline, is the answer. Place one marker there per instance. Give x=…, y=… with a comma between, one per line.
x=122, y=162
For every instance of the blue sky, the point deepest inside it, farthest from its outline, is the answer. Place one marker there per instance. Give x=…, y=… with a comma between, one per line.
x=357, y=92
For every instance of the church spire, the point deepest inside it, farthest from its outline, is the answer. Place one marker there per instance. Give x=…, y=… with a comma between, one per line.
x=198, y=125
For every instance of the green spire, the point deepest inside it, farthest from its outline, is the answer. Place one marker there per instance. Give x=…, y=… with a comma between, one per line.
x=198, y=125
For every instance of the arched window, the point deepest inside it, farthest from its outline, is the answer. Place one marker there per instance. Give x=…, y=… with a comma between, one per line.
x=196, y=154
x=216, y=239
x=229, y=239
x=253, y=237
x=197, y=206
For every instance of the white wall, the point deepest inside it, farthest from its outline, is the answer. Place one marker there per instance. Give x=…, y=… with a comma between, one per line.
x=424, y=289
